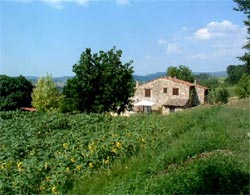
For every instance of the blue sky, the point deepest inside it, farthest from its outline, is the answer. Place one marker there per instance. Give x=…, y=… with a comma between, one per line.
x=48, y=36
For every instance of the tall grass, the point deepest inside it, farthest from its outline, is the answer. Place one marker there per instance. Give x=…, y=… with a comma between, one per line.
x=202, y=150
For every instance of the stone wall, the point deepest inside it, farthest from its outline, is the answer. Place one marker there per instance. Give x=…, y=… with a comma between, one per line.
x=166, y=110
x=157, y=94
x=201, y=94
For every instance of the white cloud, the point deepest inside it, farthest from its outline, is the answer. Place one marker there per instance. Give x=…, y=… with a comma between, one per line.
x=59, y=3
x=202, y=34
x=123, y=2
x=216, y=30
x=162, y=42
x=215, y=40
x=171, y=48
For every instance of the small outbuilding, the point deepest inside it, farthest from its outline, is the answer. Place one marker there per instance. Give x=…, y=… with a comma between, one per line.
x=144, y=106
x=175, y=105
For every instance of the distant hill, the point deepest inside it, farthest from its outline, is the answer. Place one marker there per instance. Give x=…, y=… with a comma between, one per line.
x=60, y=81
x=156, y=75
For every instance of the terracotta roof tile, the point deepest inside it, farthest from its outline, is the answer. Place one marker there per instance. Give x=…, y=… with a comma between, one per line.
x=176, y=102
x=148, y=84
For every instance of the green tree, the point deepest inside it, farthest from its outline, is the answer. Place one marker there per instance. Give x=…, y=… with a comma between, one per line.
x=234, y=73
x=101, y=82
x=243, y=87
x=222, y=95
x=15, y=92
x=244, y=6
x=182, y=72
x=207, y=80
x=45, y=96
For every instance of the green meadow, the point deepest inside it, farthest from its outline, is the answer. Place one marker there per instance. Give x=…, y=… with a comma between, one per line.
x=203, y=150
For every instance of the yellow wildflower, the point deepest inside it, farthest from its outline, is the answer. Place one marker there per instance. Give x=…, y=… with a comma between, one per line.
x=48, y=179
x=67, y=169
x=2, y=166
x=91, y=165
x=65, y=145
x=118, y=144
x=54, y=190
x=114, y=150
x=79, y=167
x=106, y=161
x=73, y=160
x=46, y=166
x=19, y=165
x=42, y=188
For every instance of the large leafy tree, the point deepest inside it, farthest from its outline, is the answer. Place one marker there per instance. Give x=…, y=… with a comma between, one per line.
x=234, y=73
x=207, y=80
x=46, y=96
x=244, y=6
x=182, y=72
x=15, y=92
x=101, y=83
x=243, y=87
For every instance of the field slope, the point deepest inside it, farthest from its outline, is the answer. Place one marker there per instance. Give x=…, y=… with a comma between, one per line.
x=204, y=150
x=201, y=151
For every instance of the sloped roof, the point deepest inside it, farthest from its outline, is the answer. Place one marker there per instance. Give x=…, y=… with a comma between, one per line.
x=176, y=102
x=148, y=84
x=144, y=103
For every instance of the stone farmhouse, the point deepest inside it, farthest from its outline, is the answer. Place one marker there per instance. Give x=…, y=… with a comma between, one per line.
x=168, y=94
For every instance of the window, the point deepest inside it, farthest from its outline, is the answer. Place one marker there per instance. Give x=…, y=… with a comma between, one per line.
x=165, y=90
x=175, y=91
x=147, y=92
x=171, y=109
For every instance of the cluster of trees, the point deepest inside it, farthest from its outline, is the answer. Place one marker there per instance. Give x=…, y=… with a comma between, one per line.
x=240, y=74
x=102, y=83
x=15, y=92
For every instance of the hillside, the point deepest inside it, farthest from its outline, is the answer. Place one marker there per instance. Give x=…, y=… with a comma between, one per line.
x=200, y=150
x=204, y=150
x=60, y=81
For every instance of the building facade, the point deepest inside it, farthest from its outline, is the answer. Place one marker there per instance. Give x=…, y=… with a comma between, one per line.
x=168, y=94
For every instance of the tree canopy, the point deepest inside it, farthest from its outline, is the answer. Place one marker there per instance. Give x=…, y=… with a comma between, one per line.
x=182, y=72
x=234, y=73
x=244, y=6
x=243, y=87
x=101, y=83
x=15, y=92
x=46, y=96
x=207, y=80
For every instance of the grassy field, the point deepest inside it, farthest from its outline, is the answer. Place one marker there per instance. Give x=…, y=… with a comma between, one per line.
x=201, y=150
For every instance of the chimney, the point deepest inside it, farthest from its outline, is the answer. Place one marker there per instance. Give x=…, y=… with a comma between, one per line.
x=195, y=82
x=136, y=84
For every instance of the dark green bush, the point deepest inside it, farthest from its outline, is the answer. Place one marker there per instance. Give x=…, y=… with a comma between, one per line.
x=215, y=174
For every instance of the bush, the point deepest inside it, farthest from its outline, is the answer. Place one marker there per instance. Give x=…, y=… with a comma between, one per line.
x=219, y=95
x=215, y=174
x=243, y=87
x=222, y=95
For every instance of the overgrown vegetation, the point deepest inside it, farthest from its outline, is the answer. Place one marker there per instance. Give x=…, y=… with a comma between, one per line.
x=201, y=150
x=15, y=92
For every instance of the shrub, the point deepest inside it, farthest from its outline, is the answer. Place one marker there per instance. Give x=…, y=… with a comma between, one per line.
x=243, y=87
